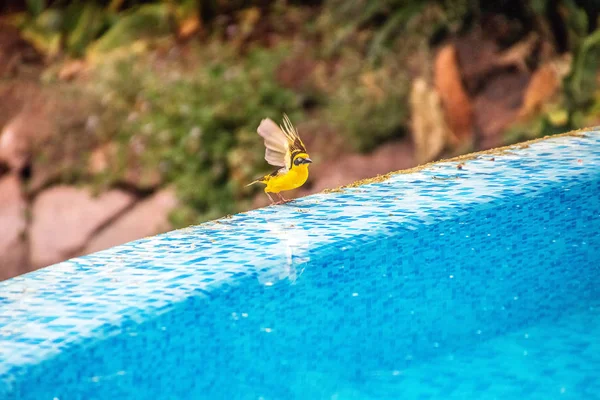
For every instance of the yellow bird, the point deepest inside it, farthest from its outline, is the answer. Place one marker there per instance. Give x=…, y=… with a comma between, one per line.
x=284, y=149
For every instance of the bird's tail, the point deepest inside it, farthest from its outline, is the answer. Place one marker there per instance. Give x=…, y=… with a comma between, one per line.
x=253, y=182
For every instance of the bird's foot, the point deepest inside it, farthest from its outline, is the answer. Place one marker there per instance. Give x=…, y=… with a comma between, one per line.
x=283, y=199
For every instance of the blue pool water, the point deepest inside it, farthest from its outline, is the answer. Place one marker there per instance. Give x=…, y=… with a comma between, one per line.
x=484, y=283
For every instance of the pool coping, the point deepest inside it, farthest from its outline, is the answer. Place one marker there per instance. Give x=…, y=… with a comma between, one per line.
x=37, y=300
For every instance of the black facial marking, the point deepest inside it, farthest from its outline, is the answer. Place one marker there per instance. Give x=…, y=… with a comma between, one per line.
x=298, y=161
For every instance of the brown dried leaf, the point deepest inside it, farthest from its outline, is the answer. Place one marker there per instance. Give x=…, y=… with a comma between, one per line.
x=188, y=27
x=71, y=69
x=541, y=88
x=454, y=98
x=544, y=86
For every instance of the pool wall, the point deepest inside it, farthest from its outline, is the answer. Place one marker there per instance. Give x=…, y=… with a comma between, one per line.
x=388, y=274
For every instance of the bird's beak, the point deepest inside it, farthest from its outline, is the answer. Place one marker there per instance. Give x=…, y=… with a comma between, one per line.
x=307, y=161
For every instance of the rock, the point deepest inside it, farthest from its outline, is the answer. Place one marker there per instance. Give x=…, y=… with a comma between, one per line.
x=17, y=137
x=454, y=98
x=65, y=217
x=148, y=217
x=13, y=248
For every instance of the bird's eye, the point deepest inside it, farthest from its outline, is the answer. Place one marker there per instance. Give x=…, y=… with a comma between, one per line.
x=298, y=161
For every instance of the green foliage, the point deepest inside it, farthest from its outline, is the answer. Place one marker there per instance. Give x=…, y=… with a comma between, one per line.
x=581, y=83
x=35, y=7
x=379, y=25
x=369, y=105
x=198, y=127
x=134, y=24
x=76, y=27
x=82, y=26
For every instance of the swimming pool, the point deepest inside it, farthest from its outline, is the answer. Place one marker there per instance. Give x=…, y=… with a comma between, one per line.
x=446, y=282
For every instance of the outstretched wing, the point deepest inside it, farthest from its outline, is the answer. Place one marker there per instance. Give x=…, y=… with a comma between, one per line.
x=280, y=142
x=294, y=142
x=276, y=143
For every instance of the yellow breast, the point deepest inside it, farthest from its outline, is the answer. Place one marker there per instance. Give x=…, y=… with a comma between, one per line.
x=293, y=179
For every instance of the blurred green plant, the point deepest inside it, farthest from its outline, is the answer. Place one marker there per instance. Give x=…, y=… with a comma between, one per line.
x=581, y=85
x=78, y=26
x=378, y=25
x=368, y=104
x=377, y=45
x=578, y=104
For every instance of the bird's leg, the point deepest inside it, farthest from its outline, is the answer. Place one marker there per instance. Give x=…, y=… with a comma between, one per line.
x=270, y=198
x=283, y=199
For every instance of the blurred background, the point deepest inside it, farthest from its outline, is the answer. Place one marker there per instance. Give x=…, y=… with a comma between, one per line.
x=122, y=119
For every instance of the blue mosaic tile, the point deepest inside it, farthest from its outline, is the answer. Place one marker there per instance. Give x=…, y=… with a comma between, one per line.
x=420, y=286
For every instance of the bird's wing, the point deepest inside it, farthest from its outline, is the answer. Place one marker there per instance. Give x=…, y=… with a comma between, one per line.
x=294, y=142
x=281, y=142
x=276, y=142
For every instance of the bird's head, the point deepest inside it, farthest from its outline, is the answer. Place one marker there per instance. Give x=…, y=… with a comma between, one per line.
x=301, y=159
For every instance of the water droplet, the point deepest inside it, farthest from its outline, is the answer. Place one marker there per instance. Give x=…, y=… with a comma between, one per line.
x=244, y=315
x=479, y=331
x=268, y=330
x=451, y=276
x=354, y=294
x=396, y=373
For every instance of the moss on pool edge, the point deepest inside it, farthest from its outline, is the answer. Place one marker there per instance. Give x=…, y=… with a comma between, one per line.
x=465, y=157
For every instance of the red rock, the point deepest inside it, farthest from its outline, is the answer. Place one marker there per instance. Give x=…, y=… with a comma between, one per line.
x=65, y=217
x=148, y=217
x=15, y=142
x=13, y=249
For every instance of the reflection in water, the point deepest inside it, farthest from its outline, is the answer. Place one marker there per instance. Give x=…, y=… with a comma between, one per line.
x=294, y=244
